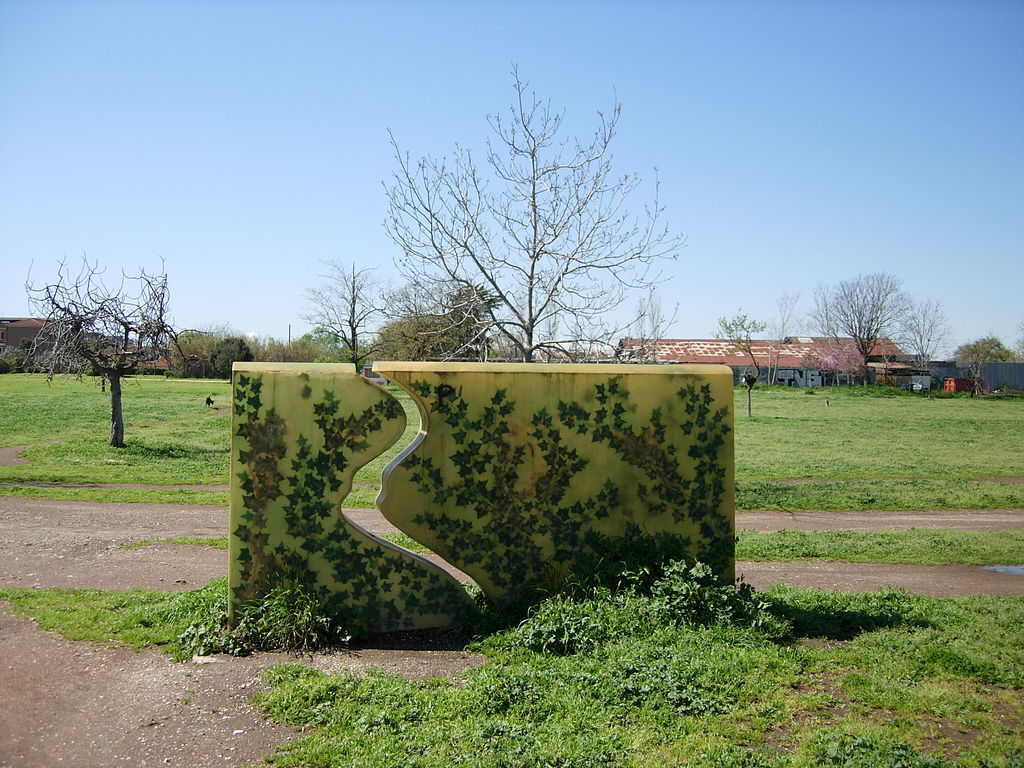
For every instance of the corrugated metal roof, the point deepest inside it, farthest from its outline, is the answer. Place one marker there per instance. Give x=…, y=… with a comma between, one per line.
x=791, y=352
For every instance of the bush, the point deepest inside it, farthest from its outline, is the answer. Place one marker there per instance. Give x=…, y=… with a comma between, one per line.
x=288, y=618
x=230, y=350
x=681, y=597
x=847, y=750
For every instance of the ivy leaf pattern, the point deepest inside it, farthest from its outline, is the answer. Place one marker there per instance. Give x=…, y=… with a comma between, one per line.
x=298, y=439
x=511, y=485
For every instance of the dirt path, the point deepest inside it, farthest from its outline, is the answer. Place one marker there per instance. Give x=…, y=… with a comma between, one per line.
x=78, y=704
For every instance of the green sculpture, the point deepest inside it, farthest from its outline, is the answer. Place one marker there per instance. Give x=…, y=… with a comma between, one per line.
x=300, y=432
x=520, y=473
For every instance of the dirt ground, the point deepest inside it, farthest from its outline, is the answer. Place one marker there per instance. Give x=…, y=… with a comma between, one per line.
x=78, y=704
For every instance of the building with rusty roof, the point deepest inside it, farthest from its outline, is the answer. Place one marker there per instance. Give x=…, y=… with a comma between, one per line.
x=800, y=361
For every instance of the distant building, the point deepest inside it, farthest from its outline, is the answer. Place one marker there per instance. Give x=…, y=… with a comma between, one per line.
x=792, y=361
x=13, y=330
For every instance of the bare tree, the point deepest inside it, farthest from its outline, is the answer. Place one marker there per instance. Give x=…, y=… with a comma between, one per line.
x=866, y=308
x=348, y=304
x=649, y=325
x=547, y=234
x=783, y=326
x=109, y=331
x=739, y=330
x=923, y=330
x=1020, y=339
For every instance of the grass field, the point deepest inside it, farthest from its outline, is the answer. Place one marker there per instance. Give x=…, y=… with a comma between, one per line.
x=788, y=678
x=860, y=451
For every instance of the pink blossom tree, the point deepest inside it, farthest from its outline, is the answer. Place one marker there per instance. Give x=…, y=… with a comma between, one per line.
x=839, y=360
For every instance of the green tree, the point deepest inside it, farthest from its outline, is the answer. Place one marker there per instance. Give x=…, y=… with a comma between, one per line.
x=193, y=351
x=739, y=330
x=230, y=350
x=975, y=354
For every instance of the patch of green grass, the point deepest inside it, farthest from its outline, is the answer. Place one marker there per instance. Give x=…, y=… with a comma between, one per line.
x=217, y=542
x=405, y=541
x=34, y=411
x=181, y=623
x=878, y=494
x=916, y=546
x=173, y=453
x=876, y=452
x=632, y=692
x=860, y=437
x=686, y=673
x=137, y=618
x=125, y=495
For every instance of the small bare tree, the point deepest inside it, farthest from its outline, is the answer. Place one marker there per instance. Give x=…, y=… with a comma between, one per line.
x=924, y=330
x=348, y=304
x=547, y=233
x=649, y=325
x=866, y=308
x=110, y=331
x=784, y=325
x=739, y=330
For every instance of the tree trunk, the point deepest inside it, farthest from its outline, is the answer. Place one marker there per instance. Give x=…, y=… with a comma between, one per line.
x=749, y=387
x=116, y=416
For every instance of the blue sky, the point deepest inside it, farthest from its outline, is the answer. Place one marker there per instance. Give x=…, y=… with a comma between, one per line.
x=243, y=143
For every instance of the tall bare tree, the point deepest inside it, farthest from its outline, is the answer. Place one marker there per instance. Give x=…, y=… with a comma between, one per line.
x=865, y=308
x=923, y=330
x=739, y=330
x=547, y=232
x=110, y=331
x=348, y=303
x=1020, y=339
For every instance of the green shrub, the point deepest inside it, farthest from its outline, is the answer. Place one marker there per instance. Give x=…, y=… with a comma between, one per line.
x=837, y=749
x=290, y=617
x=682, y=596
x=287, y=618
x=695, y=596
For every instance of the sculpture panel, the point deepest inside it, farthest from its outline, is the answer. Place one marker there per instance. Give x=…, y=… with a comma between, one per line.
x=519, y=472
